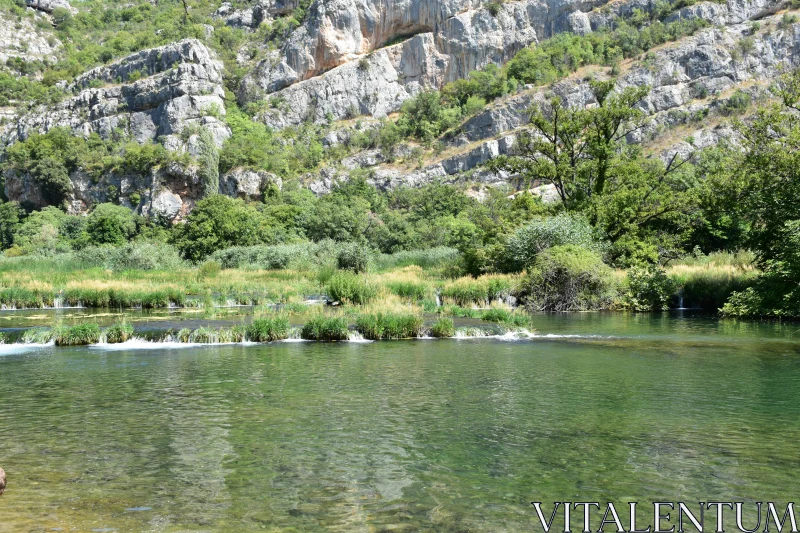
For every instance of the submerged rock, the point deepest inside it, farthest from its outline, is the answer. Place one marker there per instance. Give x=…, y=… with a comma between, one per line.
x=2, y=481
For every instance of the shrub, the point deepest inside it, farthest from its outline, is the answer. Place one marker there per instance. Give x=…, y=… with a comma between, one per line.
x=268, y=329
x=568, y=278
x=218, y=222
x=118, y=333
x=354, y=257
x=649, y=289
x=325, y=329
x=209, y=269
x=275, y=257
x=443, y=328
x=409, y=290
x=430, y=258
x=389, y=326
x=132, y=256
x=346, y=287
x=110, y=224
x=79, y=335
x=540, y=234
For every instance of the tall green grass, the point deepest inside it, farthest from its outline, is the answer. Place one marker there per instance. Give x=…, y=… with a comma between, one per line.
x=118, y=333
x=389, y=326
x=350, y=288
x=78, y=335
x=432, y=258
x=443, y=328
x=325, y=329
x=269, y=329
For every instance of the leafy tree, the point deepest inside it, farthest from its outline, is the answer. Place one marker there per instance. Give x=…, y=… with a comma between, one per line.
x=766, y=191
x=574, y=148
x=110, y=224
x=219, y=222
x=9, y=223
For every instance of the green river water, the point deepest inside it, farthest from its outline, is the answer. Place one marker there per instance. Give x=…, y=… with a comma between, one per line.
x=424, y=435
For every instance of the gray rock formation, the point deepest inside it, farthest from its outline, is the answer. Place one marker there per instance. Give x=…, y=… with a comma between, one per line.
x=24, y=40
x=153, y=93
x=688, y=79
x=48, y=6
x=342, y=60
x=247, y=184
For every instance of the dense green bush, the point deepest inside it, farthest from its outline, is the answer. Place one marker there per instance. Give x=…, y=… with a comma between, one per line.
x=648, y=289
x=354, y=257
x=137, y=255
x=568, y=278
x=110, y=224
x=349, y=288
x=542, y=233
x=443, y=328
x=269, y=329
x=325, y=329
x=209, y=269
x=218, y=222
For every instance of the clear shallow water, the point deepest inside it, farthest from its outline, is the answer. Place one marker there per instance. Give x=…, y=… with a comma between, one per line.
x=450, y=435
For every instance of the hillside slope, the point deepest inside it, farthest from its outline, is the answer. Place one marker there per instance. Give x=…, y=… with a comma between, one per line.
x=324, y=76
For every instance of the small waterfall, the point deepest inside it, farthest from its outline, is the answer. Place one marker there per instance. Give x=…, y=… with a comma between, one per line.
x=471, y=333
x=438, y=296
x=355, y=336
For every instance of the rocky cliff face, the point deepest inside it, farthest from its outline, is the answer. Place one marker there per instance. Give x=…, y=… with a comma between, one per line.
x=363, y=58
x=690, y=82
x=343, y=60
x=153, y=93
x=165, y=94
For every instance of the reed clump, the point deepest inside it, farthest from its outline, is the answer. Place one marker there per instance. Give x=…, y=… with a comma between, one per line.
x=443, y=328
x=325, y=328
x=118, y=333
x=389, y=326
x=77, y=335
x=350, y=288
x=269, y=329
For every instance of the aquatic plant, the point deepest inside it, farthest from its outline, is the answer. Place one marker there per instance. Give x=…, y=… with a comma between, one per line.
x=78, y=335
x=269, y=329
x=389, y=326
x=443, y=328
x=117, y=333
x=37, y=336
x=324, y=328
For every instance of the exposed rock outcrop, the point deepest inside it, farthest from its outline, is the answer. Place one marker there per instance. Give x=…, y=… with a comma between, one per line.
x=342, y=60
x=48, y=6
x=247, y=184
x=689, y=80
x=158, y=94
x=153, y=93
x=22, y=39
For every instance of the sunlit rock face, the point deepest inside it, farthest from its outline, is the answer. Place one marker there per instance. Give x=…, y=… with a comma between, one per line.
x=368, y=56
x=154, y=95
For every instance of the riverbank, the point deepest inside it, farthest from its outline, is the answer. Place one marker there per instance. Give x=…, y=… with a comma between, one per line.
x=429, y=281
